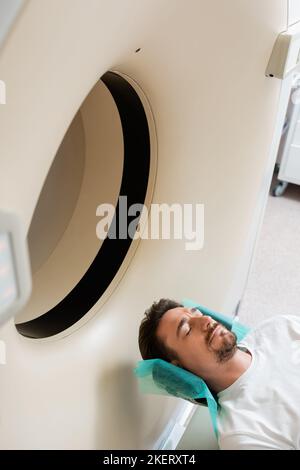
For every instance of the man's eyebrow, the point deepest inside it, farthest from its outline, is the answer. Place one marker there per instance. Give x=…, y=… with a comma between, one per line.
x=180, y=325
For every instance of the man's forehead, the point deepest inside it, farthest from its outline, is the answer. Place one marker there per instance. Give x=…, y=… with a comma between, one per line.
x=174, y=314
x=169, y=321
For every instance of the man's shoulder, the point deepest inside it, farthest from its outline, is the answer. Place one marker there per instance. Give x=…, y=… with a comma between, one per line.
x=271, y=327
x=275, y=320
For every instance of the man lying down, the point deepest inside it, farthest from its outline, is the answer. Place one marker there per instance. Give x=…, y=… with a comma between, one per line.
x=257, y=381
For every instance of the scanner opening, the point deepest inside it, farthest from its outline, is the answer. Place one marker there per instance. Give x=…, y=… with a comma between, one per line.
x=105, y=153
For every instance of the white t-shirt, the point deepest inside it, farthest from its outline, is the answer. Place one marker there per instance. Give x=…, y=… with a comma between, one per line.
x=261, y=409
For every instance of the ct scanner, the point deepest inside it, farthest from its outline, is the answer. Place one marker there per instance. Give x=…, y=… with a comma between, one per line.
x=161, y=101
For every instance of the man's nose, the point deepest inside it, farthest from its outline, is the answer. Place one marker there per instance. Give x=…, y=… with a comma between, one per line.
x=204, y=322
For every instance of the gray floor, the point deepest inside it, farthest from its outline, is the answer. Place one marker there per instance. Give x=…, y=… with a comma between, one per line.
x=273, y=286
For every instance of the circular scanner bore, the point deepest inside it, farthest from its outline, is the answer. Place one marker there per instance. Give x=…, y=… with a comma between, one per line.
x=105, y=153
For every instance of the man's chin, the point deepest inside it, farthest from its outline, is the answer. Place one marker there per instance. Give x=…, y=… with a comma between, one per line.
x=227, y=349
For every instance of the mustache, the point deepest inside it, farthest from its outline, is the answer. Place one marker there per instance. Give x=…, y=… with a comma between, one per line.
x=211, y=330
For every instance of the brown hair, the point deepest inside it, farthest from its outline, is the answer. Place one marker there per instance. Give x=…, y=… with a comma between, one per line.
x=150, y=346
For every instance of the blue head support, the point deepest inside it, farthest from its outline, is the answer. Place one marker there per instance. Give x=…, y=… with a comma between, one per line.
x=161, y=377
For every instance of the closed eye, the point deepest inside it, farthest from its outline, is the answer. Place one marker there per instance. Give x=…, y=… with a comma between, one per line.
x=188, y=332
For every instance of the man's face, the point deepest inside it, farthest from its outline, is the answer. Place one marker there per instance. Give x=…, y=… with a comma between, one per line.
x=200, y=342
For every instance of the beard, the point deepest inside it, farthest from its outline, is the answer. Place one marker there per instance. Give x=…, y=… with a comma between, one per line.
x=228, y=346
x=227, y=349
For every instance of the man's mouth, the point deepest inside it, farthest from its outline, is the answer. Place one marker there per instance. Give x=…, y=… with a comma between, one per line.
x=212, y=333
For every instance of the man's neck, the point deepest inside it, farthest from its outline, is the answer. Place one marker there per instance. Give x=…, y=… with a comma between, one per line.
x=228, y=372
